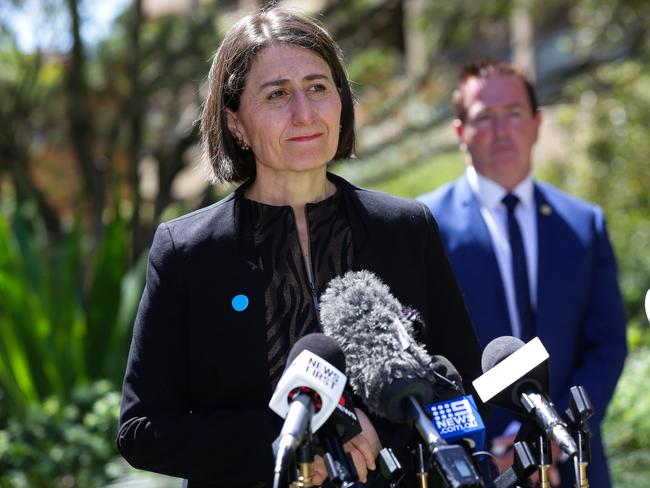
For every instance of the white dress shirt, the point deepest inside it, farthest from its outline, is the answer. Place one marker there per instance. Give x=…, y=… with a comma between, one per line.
x=495, y=215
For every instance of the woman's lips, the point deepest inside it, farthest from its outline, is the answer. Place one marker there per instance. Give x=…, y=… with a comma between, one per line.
x=306, y=138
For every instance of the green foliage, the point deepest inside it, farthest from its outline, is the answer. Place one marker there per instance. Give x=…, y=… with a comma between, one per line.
x=424, y=177
x=372, y=67
x=104, y=297
x=626, y=429
x=451, y=24
x=63, y=443
x=62, y=325
x=26, y=327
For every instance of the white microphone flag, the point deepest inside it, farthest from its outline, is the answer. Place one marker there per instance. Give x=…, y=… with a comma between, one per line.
x=311, y=371
x=511, y=369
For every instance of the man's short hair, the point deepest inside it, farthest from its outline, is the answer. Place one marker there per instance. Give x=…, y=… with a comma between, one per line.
x=489, y=67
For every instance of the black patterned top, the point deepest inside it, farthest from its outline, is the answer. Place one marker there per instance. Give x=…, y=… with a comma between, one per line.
x=291, y=300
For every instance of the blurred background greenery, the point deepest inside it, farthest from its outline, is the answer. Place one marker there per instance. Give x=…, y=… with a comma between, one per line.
x=98, y=145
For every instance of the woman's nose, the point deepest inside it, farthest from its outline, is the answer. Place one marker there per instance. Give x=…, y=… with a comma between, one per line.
x=303, y=111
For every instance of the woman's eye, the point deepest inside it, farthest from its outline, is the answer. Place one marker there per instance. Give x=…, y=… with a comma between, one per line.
x=318, y=87
x=276, y=94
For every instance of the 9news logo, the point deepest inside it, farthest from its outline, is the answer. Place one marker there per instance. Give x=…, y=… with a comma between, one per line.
x=454, y=416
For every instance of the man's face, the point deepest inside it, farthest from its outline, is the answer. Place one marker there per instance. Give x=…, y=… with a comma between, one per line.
x=500, y=128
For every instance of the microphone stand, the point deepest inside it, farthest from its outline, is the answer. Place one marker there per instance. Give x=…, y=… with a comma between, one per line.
x=422, y=472
x=522, y=467
x=304, y=458
x=579, y=411
x=340, y=468
x=390, y=467
x=295, y=433
x=451, y=461
x=583, y=458
x=542, y=448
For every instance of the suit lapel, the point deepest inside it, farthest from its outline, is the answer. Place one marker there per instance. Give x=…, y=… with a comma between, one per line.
x=479, y=266
x=469, y=209
x=547, y=282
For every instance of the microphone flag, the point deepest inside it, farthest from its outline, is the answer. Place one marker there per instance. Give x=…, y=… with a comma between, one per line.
x=530, y=361
x=457, y=419
x=311, y=371
x=516, y=377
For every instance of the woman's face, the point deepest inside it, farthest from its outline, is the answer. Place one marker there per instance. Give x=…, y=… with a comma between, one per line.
x=290, y=110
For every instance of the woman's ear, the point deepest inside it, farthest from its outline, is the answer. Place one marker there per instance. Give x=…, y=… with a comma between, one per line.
x=234, y=126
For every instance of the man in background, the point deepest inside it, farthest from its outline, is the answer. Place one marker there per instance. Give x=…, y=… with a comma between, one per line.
x=530, y=259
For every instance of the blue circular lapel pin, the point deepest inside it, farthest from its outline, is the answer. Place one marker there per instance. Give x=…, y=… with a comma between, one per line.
x=240, y=303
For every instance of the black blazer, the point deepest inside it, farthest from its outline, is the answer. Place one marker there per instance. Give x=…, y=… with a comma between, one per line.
x=196, y=389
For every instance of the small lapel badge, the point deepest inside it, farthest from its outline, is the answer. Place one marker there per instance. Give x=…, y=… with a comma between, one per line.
x=239, y=303
x=545, y=209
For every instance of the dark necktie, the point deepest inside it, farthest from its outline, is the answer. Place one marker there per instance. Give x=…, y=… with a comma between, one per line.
x=519, y=271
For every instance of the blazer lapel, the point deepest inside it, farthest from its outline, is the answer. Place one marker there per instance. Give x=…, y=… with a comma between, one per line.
x=469, y=209
x=548, y=280
x=238, y=234
x=479, y=269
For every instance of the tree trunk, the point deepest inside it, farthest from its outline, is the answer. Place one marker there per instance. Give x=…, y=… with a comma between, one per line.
x=522, y=37
x=81, y=127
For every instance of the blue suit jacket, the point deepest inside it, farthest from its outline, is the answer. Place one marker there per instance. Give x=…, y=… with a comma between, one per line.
x=580, y=315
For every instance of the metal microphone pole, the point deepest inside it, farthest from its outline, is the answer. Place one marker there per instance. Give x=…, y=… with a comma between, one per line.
x=304, y=459
x=542, y=446
x=579, y=411
x=421, y=466
x=581, y=461
x=451, y=461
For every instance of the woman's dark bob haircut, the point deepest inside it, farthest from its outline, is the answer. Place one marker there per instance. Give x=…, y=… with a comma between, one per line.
x=230, y=66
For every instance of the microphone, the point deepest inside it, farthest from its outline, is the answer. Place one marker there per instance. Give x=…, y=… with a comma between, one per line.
x=343, y=420
x=457, y=420
x=577, y=415
x=307, y=393
x=342, y=426
x=387, y=368
x=515, y=377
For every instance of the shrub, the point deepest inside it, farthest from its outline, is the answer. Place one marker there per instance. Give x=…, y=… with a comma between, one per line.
x=627, y=427
x=63, y=445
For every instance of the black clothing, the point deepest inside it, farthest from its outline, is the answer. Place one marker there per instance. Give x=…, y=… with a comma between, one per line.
x=291, y=301
x=197, y=386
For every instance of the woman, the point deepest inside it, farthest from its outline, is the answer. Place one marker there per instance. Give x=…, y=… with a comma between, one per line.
x=231, y=287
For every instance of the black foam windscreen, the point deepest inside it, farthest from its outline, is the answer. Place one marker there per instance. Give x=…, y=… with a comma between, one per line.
x=498, y=349
x=322, y=346
x=393, y=395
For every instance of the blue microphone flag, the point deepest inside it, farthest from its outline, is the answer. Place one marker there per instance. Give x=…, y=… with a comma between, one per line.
x=457, y=419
